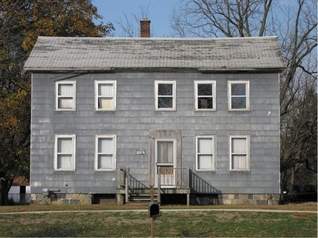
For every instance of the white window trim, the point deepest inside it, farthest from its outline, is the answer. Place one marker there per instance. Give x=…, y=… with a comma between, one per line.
x=57, y=83
x=114, y=83
x=229, y=98
x=174, y=95
x=196, y=105
x=197, y=152
x=247, y=151
x=73, y=155
x=114, y=138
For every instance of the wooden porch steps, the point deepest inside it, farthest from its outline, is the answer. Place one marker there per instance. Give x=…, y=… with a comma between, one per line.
x=142, y=197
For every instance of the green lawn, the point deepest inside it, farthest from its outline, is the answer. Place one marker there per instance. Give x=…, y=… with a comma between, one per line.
x=168, y=224
x=36, y=207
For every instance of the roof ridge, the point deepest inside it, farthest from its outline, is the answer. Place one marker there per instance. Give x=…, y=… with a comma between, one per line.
x=162, y=38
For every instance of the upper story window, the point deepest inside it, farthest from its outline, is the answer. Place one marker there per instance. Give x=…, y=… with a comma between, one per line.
x=165, y=95
x=239, y=95
x=105, y=155
x=65, y=94
x=205, y=95
x=205, y=153
x=239, y=152
x=105, y=95
x=64, y=156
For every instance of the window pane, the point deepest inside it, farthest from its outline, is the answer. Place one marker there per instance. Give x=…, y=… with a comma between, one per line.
x=239, y=146
x=239, y=162
x=165, y=102
x=205, y=162
x=165, y=152
x=65, y=145
x=105, y=161
x=204, y=89
x=238, y=102
x=238, y=89
x=164, y=89
x=66, y=90
x=205, y=103
x=64, y=162
x=105, y=90
x=105, y=104
x=65, y=103
x=105, y=145
x=205, y=146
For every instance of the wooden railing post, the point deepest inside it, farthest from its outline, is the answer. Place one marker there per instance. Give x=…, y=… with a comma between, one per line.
x=126, y=185
x=159, y=185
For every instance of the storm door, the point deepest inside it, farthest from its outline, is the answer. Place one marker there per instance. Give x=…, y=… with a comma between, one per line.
x=165, y=163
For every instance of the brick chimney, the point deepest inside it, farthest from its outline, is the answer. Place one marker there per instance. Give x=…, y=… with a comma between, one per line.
x=145, y=27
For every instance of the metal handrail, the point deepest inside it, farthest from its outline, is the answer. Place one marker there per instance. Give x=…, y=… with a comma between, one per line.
x=199, y=185
x=133, y=183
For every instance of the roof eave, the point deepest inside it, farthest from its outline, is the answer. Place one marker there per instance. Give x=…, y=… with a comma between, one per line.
x=153, y=69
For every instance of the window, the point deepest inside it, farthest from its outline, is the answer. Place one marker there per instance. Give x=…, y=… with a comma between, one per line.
x=65, y=92
x=165, y=152
x=105, y=155
x=205, y=92
x=205, y=153
x=165, y=92
x=239, y=152
x=105, y=95
x=64, y=152
x=239, y=98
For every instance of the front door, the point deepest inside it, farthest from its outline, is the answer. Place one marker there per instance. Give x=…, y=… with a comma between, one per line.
x=165, y=170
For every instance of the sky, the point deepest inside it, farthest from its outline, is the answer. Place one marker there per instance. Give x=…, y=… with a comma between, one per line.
x=160, y=13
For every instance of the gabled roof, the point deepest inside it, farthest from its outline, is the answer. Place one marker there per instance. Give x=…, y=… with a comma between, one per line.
x=203, y=54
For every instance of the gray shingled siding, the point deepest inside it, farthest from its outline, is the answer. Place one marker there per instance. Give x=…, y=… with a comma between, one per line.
x=135, y=117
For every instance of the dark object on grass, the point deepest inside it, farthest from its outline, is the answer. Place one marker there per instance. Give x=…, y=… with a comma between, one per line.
x=154, y=209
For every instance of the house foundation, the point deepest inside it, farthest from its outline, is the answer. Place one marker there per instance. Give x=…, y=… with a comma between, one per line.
x=191, y=199
x=248, y=199
x=62, y=198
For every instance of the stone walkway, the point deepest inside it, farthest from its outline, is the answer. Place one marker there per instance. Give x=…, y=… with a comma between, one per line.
x=162, y=210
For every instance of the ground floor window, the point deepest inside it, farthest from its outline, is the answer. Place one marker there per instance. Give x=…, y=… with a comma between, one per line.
x=205, y=153
x=65, y=152
x=239, y=152
x=105, y=155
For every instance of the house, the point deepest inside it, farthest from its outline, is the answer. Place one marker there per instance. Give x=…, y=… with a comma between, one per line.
x=194, y=117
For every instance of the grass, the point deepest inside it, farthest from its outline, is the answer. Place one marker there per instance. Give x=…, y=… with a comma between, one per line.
x=107, y=206
x=172, y=224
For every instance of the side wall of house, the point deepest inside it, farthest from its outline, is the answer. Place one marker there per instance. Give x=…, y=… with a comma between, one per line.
x=135, y=118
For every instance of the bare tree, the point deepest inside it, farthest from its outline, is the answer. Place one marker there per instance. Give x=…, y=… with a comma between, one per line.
x=229, y=18
x=129, y=25
x=299, y=140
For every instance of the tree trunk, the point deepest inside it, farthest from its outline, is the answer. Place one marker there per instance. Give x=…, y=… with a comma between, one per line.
x=4, y=191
